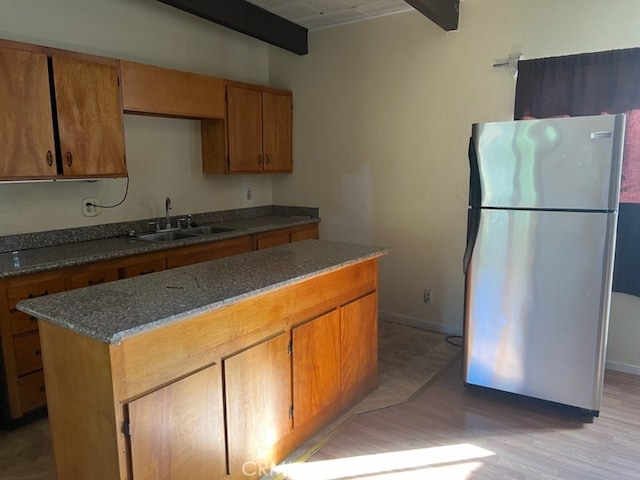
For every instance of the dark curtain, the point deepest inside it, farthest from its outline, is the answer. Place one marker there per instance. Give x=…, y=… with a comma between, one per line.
x=593, y=84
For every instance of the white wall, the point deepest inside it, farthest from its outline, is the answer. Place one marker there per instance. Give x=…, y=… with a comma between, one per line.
x=163, y=155
x=382, y=117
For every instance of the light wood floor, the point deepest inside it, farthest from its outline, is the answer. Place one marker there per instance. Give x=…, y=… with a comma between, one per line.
x=443, y=431
x=450, y=432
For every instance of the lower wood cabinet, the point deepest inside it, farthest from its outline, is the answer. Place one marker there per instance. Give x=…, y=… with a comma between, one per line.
x=21, y=356
x=359, y=345
x=317, y=365
x=258, y=405
x=178, y=430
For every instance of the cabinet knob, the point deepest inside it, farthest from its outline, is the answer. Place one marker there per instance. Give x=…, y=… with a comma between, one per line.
x=49, y=158
x=266, y=159
x=69, y=159
x=259, y=159
x=38, y=352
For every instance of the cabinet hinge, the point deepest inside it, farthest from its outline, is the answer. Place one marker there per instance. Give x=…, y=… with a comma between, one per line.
x=126, y=428
x=290, y=347
x=291, y=411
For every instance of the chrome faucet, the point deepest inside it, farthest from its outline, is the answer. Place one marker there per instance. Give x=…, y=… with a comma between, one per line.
x=167, y=207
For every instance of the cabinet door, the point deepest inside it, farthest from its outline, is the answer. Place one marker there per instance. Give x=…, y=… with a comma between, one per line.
x=178, y=431
x=89, y=118
x=359, y=345
x=258, y=400
x=316, y=366
x=26, y=125
x=276, y=132
x=244, y=129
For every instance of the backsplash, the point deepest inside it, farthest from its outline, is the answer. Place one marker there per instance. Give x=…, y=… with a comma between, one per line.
x=96, y=232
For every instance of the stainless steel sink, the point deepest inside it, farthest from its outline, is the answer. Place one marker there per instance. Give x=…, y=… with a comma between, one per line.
x=205, y=230
x=181, y=234
x=164, y=236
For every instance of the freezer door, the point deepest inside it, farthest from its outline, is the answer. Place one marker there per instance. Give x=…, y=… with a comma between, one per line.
x=537, y=304
x=563, y=163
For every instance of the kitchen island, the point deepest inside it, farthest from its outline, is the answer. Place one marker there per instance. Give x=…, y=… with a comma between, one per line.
x=214, y=370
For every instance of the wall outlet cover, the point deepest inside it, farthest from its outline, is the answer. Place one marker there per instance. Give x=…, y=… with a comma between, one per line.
x=89, y=208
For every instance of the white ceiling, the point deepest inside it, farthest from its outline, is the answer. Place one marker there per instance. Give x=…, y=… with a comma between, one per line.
x=316, y=14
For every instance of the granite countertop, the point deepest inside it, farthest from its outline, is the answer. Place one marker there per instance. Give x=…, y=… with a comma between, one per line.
x=113, y=311
x=33, y=260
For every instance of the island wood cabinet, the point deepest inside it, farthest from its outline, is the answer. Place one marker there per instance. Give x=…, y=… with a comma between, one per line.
x=316, y=365
x=47, y=93
x=270, y=367
x=184, y=421
x=258, y=405
x=258, y=132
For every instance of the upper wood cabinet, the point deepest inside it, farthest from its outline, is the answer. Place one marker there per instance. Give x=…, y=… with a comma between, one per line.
x=61, y=115
x=152, y=90
x=258, y=132
x=26, y=122
x=89, y=118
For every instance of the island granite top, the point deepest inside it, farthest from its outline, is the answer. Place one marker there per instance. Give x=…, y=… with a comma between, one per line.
x=113, y=311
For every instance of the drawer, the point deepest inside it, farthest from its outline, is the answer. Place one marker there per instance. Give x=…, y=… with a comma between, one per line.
x=15, y=294
x=21, y=322
x=32, y=391
x=305, y=233
x=28, y=356
x=94, y=278
x=210, y=251
x=143, y=268
x=272, y=240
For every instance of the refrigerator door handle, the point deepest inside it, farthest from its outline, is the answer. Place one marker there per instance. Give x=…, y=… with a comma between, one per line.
x=475, y=189
x=473, y=226
x=473, y=215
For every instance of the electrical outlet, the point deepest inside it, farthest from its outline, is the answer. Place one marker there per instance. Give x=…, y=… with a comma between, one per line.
x=249, y=193
x=427, y=296
x=89, y=208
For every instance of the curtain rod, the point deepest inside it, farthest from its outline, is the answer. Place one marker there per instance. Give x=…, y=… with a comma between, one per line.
x=511, y=62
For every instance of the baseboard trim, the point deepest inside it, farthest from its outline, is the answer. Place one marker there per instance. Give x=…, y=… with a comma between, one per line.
x=418, y=323
x=623, y=367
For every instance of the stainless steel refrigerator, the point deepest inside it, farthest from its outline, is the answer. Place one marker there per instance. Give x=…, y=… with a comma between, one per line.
x=539, y=258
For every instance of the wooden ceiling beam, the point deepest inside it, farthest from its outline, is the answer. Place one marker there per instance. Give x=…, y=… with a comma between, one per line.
x=444, y=13
x=249, y=19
